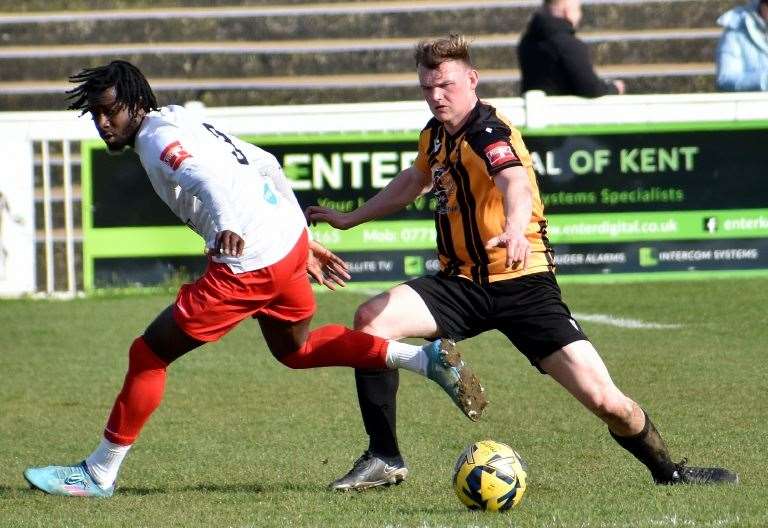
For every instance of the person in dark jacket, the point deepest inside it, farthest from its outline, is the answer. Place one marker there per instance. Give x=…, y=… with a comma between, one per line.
x=554, y=60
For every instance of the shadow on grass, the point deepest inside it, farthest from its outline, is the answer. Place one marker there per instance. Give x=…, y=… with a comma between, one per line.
x=440, y=510
x=6, y=491
x=18, y=492
x=207, y=487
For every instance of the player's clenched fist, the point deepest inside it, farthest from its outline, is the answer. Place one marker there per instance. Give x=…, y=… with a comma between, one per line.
x=229, y=243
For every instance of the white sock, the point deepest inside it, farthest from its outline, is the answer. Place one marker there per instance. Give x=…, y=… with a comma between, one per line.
x=104, y=463
x=409, y=357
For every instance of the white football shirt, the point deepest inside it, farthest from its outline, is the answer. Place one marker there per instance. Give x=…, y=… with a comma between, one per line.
x=214, y=182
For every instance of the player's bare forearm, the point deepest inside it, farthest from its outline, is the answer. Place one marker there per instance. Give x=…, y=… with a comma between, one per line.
x=402, y=190
x=518, y=204
x=517, y=197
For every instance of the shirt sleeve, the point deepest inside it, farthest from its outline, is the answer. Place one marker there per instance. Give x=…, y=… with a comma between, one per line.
x=493, y=145
x=421, y=163
x=178, y=156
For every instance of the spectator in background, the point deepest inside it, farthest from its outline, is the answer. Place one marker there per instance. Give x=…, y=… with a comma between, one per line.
x=552, y=59
x=742, y=53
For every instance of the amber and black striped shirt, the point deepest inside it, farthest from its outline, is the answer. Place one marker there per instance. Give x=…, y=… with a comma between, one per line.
x=470, y=209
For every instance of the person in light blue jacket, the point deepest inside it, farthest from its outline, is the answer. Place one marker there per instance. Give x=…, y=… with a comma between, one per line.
x=742, y=53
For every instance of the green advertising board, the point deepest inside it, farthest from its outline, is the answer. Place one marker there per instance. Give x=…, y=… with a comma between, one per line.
x=622, y=202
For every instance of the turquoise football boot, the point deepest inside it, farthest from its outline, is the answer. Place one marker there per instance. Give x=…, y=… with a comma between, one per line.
x=71, y=481
x=446, y=368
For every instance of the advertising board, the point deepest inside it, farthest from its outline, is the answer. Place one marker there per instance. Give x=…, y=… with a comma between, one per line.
x=619, y=199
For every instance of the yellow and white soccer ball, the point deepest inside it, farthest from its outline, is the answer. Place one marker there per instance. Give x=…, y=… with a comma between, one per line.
x=490, y=476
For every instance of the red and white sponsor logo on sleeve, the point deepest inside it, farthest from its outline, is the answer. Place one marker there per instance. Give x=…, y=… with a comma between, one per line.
x=499, y=153
x=174, y=154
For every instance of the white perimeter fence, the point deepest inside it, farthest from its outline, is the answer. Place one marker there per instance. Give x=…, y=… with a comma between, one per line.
x=40, y=207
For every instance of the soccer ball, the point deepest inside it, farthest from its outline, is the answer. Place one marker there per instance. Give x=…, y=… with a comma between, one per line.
x=490, y=476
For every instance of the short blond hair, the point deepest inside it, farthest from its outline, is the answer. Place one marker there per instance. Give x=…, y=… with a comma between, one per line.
x=432, y=53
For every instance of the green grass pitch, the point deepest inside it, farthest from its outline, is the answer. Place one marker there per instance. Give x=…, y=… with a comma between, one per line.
x=242, y=441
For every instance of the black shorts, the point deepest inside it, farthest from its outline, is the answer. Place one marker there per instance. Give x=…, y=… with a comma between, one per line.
x=528, y=310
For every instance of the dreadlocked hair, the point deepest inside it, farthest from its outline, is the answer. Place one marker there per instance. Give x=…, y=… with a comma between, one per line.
x=132, y=90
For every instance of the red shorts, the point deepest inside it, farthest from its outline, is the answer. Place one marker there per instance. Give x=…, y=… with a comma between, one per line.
x=210, y=307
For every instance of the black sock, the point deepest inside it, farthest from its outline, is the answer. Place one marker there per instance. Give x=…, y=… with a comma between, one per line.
x=649, y=448
x=376, y=394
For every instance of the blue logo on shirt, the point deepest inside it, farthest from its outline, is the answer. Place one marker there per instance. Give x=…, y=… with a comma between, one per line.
x=269, y=196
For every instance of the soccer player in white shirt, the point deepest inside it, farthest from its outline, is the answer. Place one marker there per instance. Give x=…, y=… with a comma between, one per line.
x=235, y=196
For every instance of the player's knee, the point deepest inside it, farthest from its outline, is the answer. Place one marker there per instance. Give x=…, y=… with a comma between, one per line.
x=365, y=315
x=298, y=359
x=142, y=357
x=611, y=406
x=293, y=361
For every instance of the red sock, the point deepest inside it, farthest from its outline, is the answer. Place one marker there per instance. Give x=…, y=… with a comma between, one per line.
x=338, y=346
x=142, y=392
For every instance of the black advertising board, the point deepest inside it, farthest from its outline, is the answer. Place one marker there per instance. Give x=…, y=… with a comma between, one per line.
x=620, y=200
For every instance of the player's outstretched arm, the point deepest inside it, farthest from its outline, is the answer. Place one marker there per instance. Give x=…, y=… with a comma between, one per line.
x=326, y=267
x=518, y=204
x=402, y=190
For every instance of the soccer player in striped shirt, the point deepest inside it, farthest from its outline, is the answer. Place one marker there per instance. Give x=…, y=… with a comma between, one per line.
x=496, y=272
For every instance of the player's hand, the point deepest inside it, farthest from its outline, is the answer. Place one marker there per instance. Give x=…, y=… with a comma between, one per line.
x=518, y=248
x=326, y=267
x=229, y=244
x=332, y=217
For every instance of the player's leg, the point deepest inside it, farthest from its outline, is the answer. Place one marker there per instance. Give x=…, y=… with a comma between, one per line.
x=294, y=345
x=580, y=370
x=374, y=467
x=149, y=355
x=285, y=323
x=335, y=345
x=162, y=343
x=285, y=320
x=167, y=339
x=389, y=316
x=394, y=314
x=203, y=312
x=400, y=312
x=530, y=311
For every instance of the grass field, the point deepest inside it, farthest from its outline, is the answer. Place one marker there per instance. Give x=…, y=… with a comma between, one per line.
x=242, y=441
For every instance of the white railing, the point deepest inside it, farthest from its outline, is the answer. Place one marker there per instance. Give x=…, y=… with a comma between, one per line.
x=36, y=145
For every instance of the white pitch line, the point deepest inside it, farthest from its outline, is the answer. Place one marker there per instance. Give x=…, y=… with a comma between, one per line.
x=622, y=322
x=606, y=319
